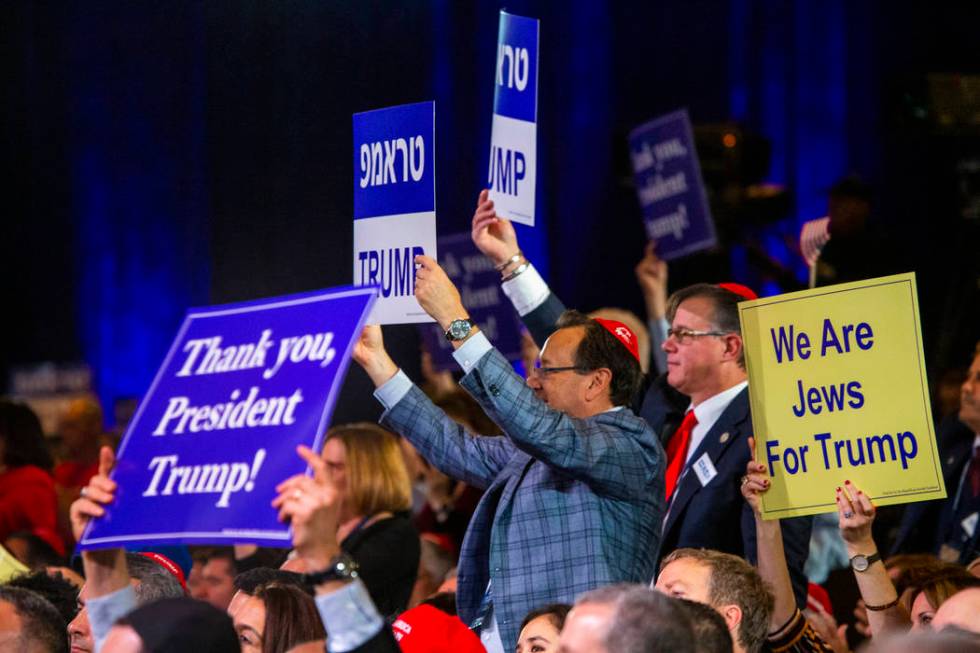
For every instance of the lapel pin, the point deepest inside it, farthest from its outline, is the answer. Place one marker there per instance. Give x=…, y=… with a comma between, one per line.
x=724, y=437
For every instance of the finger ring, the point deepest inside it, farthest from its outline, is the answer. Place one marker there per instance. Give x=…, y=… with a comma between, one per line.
x=84, y=491
x=297, y=494
x=745, y=479
x=848, y=515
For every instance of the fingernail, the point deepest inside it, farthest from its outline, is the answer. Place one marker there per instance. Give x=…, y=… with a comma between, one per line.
x=838, y=489
x=847, y=482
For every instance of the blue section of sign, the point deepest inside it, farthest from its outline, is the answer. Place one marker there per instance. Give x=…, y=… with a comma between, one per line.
x=669, y=186
x=394, y=163
x=516, y=76
x=479, y=286
x=241, y=387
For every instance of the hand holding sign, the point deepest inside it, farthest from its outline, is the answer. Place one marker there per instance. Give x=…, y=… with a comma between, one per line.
x=492, y=234
x=310, y=506
x=436, y=294
x=369, y=352
x=651, y=274
x=856, y=516
x=755, y=482
x=100, y=491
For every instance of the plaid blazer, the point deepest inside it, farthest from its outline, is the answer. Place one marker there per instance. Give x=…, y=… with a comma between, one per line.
x=570, y=504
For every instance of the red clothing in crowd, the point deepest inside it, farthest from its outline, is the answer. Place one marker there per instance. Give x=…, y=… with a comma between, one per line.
x=28, y=503
x=74, y=474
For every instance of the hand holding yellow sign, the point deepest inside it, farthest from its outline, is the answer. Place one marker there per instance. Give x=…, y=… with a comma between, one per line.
x=838, y=391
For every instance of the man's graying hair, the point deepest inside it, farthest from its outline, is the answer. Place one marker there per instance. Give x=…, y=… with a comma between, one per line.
x=724, y=314
x=644, y=620
x=155, y=582
x=599, y=349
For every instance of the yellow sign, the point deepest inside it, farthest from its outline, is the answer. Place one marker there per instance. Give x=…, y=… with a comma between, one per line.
x=837, y=385
x=10, y=566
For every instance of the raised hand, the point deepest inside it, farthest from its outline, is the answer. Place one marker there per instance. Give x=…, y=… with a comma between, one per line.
x=651, y=274
x=856, y=514
x=492, y=235
x=436, y=293
x=100, y=491
x=755, y=482
x=369, y=352
x=311, y=507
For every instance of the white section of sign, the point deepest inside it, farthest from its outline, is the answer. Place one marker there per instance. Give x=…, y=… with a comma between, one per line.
x=384, y=249
x=512, y=171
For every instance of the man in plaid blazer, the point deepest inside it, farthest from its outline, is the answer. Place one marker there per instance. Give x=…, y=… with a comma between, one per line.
x=574, y=490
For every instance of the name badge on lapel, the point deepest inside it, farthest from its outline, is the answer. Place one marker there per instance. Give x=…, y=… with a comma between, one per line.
x=705, y=470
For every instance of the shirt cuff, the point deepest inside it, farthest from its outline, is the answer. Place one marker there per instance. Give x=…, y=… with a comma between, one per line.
x=526, y=291
x=391, y=391
x=104, y=611
x=349, y=617
x=471, y=351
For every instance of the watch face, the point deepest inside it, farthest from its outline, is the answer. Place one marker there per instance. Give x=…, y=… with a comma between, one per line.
x=459, y=329
x=860, y=563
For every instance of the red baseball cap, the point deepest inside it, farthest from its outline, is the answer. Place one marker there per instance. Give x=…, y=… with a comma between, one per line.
x=739, y=289
x=425, y=629
x=623, y=334
x=167, y=564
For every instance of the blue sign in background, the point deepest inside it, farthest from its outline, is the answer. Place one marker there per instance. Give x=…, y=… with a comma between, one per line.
x=186, y=509
x=389, y=185
x=516, y=74
x=669, y=186
x=479, y=286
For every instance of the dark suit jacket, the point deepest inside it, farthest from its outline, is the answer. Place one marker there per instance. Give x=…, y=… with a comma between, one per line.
x=714, y=516
x=925, y=523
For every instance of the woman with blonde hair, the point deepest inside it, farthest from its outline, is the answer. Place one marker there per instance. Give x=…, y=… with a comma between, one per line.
x=365, y=465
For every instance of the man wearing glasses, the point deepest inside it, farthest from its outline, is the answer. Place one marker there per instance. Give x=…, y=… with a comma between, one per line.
x=574, y=490
x=699, y=408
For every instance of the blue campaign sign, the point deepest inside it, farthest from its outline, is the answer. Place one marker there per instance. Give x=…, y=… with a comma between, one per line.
x=479, y=287
x=512, y=169
x=516, y=94
x=394, y=163
x=669, y=186
x=240, y=388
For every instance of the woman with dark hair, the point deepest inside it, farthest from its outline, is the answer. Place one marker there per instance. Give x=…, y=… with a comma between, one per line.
x=541, y=628
x=277, y=618
x=27, y=496
x=366, y=468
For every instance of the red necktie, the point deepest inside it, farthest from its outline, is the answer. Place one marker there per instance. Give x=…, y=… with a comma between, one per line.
x=974, y=473
x=677, y=451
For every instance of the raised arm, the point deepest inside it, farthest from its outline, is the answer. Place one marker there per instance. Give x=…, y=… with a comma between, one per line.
x=106, y=575
x=651, y=275
x=470, y=458
x=309, y=505
x=769, y=545
x=885, y=612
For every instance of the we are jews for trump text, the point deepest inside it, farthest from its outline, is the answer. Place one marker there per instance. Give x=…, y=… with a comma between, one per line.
x=243, y=409
x=833, y=450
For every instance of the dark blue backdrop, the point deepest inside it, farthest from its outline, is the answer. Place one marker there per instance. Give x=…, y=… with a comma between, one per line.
x=163, y=155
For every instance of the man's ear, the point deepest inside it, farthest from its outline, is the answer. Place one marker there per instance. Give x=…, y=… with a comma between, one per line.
x=599, y=383
x=732, y=614
x=733, y=346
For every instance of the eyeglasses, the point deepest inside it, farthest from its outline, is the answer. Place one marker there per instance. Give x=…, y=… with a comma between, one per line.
x=684, y=336
x=538, y=369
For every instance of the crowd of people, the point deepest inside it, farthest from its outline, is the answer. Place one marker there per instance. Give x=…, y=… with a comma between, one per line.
x=557, y=512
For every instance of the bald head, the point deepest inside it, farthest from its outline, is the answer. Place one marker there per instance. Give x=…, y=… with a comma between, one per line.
x=960, y=610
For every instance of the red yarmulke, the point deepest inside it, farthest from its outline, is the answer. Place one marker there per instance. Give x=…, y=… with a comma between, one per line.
x=623, y=334
x=425, y=629
x=167, y=564
x=739, y=289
